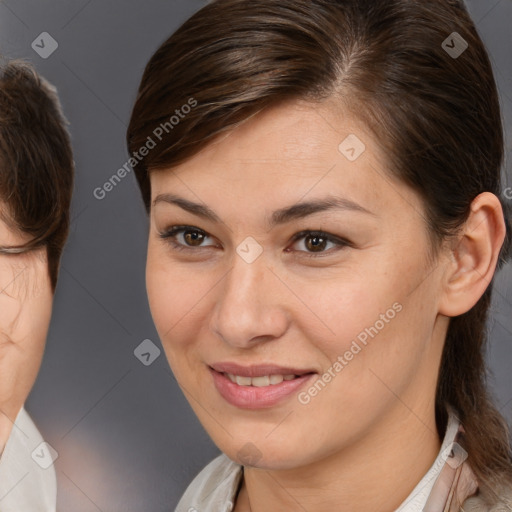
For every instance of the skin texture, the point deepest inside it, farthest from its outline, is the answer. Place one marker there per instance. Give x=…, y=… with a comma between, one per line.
x=286, y=308
x=25, y=312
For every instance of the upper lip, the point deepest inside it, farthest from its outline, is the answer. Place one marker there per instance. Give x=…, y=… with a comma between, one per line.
x=257, y=370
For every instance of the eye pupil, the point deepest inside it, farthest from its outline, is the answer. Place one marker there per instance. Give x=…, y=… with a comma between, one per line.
x=193, y=237
x=318, y=243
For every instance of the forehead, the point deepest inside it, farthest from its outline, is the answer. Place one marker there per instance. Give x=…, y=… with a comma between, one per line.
x=291, y=131
x=286, y=153
x=294, y=136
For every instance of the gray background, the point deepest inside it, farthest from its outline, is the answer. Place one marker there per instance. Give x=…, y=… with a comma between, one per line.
x=126, y=437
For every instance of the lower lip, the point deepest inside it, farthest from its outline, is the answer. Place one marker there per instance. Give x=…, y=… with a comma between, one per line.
x=252, y=397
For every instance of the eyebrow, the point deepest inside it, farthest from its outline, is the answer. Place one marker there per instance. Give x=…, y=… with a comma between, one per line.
x=281, y=216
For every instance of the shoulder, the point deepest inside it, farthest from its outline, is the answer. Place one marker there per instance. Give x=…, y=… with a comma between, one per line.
x=483, y=503
x=25, y=424
x=27, y=476
x=24, y=438
x=214, y=488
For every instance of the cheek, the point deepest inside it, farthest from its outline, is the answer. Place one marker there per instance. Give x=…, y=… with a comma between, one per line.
x=11, y=309
x=173, y=296
x=41, y=298
x=43, y=312
x=162, y=295
x=26, y=303
x=174, y=302
x=35, y=319
x=378, y=351
x=339, y=309
x=369, y=321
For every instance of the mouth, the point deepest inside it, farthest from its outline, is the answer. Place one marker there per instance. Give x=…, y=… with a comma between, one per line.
x=259, y=382
x=257, y=387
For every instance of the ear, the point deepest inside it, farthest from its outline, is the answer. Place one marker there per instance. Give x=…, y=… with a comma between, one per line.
x=474, y=256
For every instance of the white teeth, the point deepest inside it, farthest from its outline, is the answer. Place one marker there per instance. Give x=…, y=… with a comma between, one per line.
x=243, y=381
x=276, y=379
x=265, y=380
x=259, y=382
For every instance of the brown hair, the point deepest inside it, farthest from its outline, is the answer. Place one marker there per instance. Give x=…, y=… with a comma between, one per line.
x=36, y=162
x=437, y=116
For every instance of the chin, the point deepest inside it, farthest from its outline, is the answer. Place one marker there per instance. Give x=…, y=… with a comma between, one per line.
x=262, y=453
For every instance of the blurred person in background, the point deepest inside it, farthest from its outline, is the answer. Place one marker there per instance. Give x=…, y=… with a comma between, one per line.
x=36, y=183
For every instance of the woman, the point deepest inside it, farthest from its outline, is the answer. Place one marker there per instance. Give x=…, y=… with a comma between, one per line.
x=36, y=182
x=325, y=224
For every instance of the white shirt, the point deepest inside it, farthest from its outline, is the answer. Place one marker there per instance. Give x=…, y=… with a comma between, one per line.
x=214, y=488
x=27, y=475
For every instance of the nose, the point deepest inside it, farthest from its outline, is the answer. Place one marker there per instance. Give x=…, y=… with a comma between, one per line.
x=251, y=306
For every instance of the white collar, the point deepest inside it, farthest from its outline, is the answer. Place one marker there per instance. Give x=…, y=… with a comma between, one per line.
x=214, y=489
x=415, y=502
x=27, y=482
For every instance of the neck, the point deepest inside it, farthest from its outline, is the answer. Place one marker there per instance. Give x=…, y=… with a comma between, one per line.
x=400, y=451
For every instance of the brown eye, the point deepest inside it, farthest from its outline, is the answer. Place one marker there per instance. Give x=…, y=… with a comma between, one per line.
x=193, y=237
x=186, y=238
x=315, y=243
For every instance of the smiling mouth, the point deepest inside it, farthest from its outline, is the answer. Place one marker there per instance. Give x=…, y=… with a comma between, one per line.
x=259, y=382
x=260, y=387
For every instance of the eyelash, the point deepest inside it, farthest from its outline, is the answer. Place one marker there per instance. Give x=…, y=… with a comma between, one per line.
x=170, y=234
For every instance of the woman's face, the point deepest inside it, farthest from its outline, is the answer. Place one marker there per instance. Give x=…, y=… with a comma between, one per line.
x=25, y=312
x=352, y=313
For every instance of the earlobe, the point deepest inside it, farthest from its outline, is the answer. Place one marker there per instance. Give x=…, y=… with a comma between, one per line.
x=474, y=256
